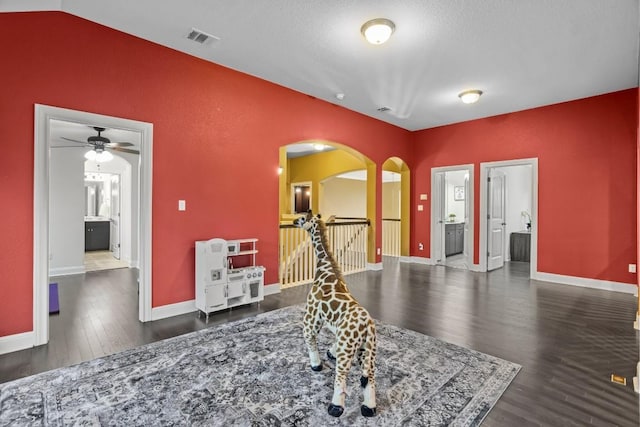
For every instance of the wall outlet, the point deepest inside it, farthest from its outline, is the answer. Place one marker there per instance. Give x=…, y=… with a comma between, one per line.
x=420, y=246
x=182, y=205
x=632, y=268
x=420, y=207
x=379, y=252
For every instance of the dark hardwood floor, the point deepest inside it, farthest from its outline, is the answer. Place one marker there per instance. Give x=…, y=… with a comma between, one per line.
x=569, y=340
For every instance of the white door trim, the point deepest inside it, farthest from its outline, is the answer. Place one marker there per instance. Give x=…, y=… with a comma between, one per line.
x=484, y=174
x=470, y=200
x=43, y=115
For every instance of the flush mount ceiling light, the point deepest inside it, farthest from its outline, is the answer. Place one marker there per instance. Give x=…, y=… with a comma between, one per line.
x=377, y=31
x=470, y=96
x=318, y=147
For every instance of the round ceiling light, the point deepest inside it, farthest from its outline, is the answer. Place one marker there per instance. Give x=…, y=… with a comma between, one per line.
x=470, y=96
x=377, y=31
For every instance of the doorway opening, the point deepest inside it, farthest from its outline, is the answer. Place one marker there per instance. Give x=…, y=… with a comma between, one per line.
x=45, y=118
x=108, y=242
x=301, y=197
x=509, y=214
x=452, y=216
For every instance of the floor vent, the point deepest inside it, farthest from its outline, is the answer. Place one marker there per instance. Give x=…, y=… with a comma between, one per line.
x=201, y=37
x=618, y=379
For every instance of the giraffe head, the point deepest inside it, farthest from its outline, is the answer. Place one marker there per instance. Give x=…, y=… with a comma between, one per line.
x=308, y=222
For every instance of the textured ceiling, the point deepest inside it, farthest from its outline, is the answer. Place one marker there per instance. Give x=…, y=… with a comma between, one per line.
x=521, y=53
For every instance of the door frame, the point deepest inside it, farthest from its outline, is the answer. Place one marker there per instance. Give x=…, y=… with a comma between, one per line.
x=484, y=202
x=470, y=245
x=43, y=115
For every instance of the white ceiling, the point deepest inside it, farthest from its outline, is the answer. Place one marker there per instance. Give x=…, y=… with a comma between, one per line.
x=521, y=53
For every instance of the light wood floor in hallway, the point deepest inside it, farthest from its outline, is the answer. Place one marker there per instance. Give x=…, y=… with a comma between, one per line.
x=569, y=340
x=102, y=260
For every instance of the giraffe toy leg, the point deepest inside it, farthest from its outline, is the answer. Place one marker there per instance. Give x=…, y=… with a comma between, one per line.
x=344, y=358
x=336, y=407
x=311, y=328
x=331, y=353
x=368, y=381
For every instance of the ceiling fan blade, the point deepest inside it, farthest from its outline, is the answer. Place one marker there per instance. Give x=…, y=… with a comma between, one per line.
x=69, y=146
x=124, y=150
x=119, y=144
x=73, y=140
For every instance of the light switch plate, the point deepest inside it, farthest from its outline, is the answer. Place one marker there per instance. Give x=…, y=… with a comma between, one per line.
x=423, y=197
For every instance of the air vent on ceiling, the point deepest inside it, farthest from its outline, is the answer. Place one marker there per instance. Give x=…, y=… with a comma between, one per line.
x=201, y=37
x=384, y=109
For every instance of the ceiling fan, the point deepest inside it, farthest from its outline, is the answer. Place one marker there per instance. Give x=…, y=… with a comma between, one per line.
x=100, y=144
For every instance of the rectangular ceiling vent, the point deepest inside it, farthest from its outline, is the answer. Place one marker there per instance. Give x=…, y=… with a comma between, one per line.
x=384, y=109
x=201, y=37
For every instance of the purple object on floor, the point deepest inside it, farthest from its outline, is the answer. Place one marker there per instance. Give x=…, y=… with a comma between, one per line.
x=54, y=303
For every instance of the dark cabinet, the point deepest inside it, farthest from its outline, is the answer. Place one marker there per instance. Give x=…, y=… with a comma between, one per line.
x=96, y=235
x=520, y=246
x=454, y=238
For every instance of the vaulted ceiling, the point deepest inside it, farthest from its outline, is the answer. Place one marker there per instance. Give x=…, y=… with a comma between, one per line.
x=520, y=53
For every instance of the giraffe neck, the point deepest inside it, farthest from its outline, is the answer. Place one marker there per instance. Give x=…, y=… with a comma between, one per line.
x=320, y=245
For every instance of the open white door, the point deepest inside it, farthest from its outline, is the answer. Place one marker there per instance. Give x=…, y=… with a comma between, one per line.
x=115, y=215
x=496, y=220
x=439, y=194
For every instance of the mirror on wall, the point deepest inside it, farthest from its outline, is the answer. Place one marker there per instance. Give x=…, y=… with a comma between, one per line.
x=97, y=189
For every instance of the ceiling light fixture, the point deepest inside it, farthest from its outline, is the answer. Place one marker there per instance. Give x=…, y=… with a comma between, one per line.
x=318, y=147
x=470, y=96
x=99, y=157
x=377, y=31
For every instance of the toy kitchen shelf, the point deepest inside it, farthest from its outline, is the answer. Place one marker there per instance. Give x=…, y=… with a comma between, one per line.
x=220, y=284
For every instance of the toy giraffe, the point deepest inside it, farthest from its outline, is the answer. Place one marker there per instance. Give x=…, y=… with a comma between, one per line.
x=329, y=301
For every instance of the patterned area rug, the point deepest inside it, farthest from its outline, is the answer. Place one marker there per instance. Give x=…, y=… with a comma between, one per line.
x=255, y=372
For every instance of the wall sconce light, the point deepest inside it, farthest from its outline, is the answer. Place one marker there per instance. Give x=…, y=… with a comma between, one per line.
x=377, y=31
x=470, y=96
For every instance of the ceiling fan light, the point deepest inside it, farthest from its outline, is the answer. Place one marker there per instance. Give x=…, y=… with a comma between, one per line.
x=378, y=31
x=90, y=155
x=104, y=156
x=470, y=96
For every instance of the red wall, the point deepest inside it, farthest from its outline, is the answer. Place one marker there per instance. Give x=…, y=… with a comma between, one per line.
x=586, y=152
x=216, y=138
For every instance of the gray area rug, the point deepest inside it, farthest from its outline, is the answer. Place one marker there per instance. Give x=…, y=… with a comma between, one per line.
x=255, y=372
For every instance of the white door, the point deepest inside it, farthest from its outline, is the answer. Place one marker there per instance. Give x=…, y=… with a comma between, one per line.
x=496, y=220
x=115, y=215
x=439, y=204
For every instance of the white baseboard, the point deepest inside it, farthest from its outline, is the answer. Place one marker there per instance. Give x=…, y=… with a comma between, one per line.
x=636, y=379
x=405, y=259
x=636, y=324
x=66, y=271
x=374, y=266
x=171, y=310
x=605, y=285
x=422, y=260
x=272, y=289
x=16, y=342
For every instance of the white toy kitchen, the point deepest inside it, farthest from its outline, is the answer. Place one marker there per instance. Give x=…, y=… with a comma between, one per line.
x=219, y=283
